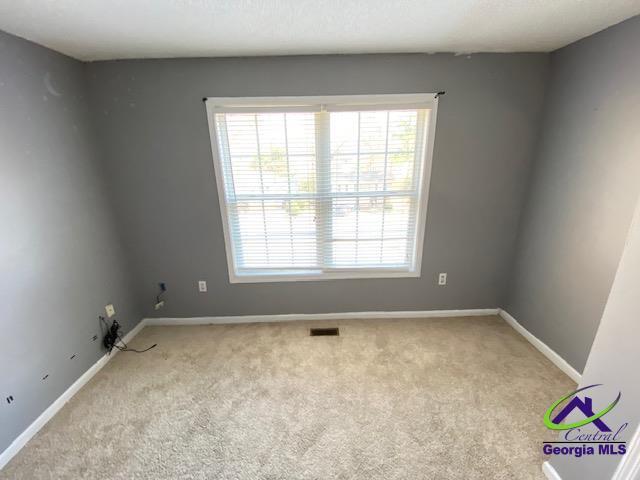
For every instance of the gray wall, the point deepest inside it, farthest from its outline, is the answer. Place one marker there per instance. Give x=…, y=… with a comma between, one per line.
x=153, y=129
x=583, y=191
x=60, y=260
x=613, y=362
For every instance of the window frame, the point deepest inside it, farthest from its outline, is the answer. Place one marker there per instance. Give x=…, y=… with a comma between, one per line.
x=332, y=103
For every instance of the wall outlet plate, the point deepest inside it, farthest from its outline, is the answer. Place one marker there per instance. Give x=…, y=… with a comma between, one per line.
x=202, y=286
x=159, y=305
x=111, y=311
x=442, y=279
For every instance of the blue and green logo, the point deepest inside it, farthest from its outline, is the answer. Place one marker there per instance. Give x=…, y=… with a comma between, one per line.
x=585, y=406
x=576, y=440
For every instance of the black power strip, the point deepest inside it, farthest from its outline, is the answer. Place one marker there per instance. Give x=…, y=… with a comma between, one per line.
x=112, y=337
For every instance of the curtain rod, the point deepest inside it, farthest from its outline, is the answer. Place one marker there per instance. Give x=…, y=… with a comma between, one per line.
x=439, y=94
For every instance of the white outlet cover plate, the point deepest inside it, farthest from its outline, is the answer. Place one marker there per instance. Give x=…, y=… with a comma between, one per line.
x=202, y=286
x=111, y=311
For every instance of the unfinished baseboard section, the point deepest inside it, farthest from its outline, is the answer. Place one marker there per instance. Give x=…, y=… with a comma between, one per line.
x=321, y=316
x=542, y=347
x=550, y=472
x=55, y=407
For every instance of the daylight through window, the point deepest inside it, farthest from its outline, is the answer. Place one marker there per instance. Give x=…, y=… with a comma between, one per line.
x=323, y=188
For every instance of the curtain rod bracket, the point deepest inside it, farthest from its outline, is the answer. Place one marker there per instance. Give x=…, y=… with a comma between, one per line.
x=440, y=94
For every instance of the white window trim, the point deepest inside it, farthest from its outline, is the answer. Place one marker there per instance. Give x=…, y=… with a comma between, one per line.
x=428, y=101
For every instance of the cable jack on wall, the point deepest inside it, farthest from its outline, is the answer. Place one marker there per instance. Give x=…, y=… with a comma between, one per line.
x=159, y=301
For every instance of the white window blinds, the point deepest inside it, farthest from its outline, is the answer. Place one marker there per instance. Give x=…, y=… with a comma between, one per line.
x=321, y=190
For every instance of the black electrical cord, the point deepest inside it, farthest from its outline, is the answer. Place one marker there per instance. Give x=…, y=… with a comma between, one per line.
x=127, y=349
x=112, y=336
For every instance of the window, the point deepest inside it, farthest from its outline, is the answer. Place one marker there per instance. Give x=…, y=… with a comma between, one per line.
x=315, y=188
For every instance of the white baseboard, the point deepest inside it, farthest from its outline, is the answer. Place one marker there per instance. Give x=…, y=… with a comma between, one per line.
x=542, y=347
x=45, y=416
x=39, y=422
x=25, y=436
x=629, y=466
x=550, y=472
x=320, y=316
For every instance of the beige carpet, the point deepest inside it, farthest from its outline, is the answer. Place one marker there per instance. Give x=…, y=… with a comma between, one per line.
x=455, y=398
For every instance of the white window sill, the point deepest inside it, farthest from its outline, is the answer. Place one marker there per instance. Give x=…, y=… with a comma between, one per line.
x=320, y=276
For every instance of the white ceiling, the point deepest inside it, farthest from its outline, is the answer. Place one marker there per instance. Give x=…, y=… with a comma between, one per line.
x=110, y=29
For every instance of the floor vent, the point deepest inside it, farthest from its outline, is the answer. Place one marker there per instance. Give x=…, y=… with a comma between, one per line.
x=321, y=332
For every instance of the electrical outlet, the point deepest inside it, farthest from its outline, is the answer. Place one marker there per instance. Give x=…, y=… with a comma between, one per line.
x=442, y=279
x=111, y=311
x=202, y=286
